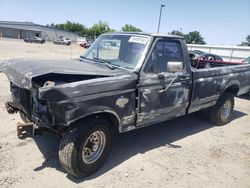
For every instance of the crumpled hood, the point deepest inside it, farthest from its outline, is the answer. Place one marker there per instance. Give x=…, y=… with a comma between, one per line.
x=21, y=72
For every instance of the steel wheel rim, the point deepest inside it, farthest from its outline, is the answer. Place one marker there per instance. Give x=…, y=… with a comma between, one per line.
x=226, y=109
x=93, y=147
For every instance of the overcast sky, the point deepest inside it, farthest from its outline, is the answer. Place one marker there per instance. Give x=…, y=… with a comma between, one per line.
x=223, y=22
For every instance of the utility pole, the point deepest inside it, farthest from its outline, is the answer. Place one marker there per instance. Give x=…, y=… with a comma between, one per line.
x=71, y=38
x=159, y=23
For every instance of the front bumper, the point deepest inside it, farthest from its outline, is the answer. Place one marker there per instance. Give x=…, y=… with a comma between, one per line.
x=25, y=130
x=27, y=103
x=30, y=129
x=10, y=108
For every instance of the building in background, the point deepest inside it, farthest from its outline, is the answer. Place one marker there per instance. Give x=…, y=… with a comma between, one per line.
x=22, y=30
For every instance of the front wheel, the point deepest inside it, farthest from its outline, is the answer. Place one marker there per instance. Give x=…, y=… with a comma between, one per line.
x=222, y=112
x=84, y=148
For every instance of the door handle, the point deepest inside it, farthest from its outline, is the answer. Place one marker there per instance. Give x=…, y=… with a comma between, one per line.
x=165, y=89
x=185, y=82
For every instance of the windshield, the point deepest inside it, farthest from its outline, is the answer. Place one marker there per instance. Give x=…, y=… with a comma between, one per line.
x=118, y=50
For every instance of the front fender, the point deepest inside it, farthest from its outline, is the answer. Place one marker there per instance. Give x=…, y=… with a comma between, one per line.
x=93, y=111
x=120, y=104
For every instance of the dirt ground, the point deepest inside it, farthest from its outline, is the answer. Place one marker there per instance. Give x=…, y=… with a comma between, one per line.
x=185, y=152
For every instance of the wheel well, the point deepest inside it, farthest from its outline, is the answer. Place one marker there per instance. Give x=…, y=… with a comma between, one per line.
x=233, y=89
x=114, y=122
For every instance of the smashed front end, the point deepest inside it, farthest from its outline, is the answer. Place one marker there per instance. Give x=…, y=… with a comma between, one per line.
x=52, y=98
x=32, y=111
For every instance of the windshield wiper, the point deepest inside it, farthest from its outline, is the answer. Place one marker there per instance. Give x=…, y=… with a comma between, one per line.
x=105, y=62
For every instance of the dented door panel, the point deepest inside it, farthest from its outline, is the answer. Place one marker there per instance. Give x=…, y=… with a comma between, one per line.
x=155, y=106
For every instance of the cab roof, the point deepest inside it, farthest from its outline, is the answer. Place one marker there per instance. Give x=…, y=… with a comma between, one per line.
x=162, y=35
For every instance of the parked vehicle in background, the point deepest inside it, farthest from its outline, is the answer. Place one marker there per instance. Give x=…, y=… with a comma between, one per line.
x=196, y=54
x=81, y=40
x=34, y=39
x=82, y=44
x=86, y=44
x=203, y=59
x=139, y=80
x=63, y=41
x=68, y=41
x=89, y=43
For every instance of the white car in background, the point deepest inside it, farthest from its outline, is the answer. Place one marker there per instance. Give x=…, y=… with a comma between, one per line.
x=63, y=41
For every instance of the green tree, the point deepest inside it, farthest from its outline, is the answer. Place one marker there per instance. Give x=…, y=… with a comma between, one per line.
x=194, y=37
x=130, y=28
x=176, y=32
x=72, y=27
x=99, y=28
x=247, y=42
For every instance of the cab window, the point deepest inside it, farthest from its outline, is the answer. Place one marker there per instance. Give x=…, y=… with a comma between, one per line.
x=164, y=51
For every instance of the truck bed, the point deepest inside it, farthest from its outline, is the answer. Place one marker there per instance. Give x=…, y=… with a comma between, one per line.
x=209, y=83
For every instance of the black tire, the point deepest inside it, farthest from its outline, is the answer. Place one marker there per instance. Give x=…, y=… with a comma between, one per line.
x=218, y=114
x=73, y=142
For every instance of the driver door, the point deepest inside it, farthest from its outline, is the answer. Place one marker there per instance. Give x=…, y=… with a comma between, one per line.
x=163, y=94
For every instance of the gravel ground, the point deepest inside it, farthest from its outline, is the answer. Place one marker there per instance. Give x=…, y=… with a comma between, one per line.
x=184, y=152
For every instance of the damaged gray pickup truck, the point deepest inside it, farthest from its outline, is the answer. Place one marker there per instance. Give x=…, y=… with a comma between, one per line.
x=124, y=81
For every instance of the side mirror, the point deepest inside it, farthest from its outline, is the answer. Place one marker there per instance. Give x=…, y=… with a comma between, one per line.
x=175, y=67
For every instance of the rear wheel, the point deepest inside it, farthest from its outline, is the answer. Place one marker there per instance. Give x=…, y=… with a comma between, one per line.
x=84, y=148
x=222, y=112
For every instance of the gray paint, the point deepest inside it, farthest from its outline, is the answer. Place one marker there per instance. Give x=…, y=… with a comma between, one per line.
x=56, y=94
